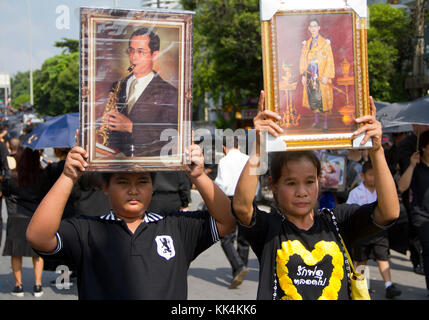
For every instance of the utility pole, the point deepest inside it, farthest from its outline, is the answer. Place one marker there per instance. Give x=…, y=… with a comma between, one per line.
x=419, y=33
x=418, y=81
x=30, y=40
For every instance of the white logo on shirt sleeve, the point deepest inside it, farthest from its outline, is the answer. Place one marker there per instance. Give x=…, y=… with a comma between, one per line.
x=165, y=247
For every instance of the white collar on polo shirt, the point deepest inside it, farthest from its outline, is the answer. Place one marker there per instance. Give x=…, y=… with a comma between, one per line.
x=148, y=217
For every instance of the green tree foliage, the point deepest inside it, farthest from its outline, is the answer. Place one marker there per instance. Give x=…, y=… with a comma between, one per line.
x=56, y=86
x=227, y=52
x=20, y=100
x=20, y=87
x=70, y=45
x=189, y=4
x=389, y=52
x=59, y=91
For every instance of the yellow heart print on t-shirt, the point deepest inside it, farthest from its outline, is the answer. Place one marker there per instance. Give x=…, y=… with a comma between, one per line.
x=321, y=249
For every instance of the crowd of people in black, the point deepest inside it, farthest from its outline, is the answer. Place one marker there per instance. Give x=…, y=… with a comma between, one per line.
x=26, y=178
x=407, y=156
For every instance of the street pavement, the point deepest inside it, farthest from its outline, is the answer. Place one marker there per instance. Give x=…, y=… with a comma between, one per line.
x=210, y=276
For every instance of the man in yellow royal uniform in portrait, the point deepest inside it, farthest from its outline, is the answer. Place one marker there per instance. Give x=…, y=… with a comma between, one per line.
x=316, y=66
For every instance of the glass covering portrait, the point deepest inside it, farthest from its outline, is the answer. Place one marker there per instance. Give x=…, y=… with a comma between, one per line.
x=135, y=88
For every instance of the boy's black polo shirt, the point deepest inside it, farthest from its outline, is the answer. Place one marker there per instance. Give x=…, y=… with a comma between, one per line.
x=152, y=263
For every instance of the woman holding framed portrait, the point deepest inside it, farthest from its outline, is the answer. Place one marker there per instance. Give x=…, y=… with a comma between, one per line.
x=300, y=250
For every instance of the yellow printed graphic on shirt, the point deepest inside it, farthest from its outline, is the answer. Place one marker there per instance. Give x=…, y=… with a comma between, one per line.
x=321, y=249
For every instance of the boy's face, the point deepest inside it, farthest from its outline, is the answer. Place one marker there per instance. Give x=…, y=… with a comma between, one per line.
x=368, y=178
x=129, y=193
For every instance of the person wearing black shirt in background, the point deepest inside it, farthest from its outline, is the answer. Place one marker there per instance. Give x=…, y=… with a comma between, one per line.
x=4, y=168
x=24, y=190
x=416, y=178
x=171, y=192
x=405, y=149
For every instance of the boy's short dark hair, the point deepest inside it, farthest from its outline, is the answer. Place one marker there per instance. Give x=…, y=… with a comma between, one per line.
x=280, y=159
x=105, y=176
x=366, y=166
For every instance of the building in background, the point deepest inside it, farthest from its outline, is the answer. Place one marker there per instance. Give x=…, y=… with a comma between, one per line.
x=163, y=4
x=4, y=90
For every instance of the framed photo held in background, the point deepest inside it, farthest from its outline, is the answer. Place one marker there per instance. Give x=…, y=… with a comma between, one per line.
x=315, y=72
x=333, y=171
x=136, y=88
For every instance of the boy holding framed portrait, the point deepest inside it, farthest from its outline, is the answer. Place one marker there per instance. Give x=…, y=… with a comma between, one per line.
x=129, y=253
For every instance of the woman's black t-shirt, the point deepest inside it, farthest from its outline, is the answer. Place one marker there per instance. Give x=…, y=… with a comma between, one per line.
x=309, y=264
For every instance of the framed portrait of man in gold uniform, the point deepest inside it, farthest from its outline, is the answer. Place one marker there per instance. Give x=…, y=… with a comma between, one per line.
x=136, y=88
x=315, y=72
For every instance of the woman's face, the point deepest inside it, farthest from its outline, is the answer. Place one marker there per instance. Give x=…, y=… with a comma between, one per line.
x=297, y=189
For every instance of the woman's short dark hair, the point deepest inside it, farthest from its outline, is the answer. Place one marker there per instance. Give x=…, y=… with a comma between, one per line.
x=280, y=159
x=105, y=176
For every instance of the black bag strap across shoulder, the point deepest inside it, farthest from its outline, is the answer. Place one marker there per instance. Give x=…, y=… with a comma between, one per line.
x=347, y=259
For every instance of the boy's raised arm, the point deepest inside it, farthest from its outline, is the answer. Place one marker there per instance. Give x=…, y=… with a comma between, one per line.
x=218, y=204
x=245, y=191
x=46, y=220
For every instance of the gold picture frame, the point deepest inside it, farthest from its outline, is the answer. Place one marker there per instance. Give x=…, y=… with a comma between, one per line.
x=135, y=88
x=315, y=76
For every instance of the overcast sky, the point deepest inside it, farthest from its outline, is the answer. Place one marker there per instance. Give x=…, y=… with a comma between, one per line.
x=42, y=22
